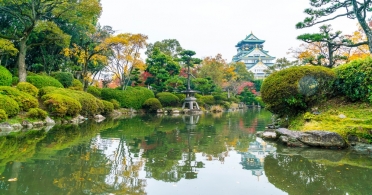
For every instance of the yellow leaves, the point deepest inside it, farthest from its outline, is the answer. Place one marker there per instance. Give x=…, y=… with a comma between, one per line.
x=7, y=47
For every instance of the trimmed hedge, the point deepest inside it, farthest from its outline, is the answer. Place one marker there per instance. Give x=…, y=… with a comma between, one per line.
x=115, y=103
x=9, y=105
x=46, y=90
x=295, y=89
x=28, y=88
x=5, y=77
x=37, y=113
x=152, y=105
x=65, y=78
x=94, y=91
x=108, y=107
x=207, y=99
x=76, y=85
x=43, y=81
x=168, y=99
x=24, y=100
x=61, y=105
x=133, y=97
x=355, y=79
x=90, y=104
x=3, y=115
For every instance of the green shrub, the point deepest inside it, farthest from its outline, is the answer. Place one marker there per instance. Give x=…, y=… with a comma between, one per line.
x=37, y=113
x=9, y=105
x=43, y=81
x=168, y=99
x=3, y=115
x=61, y=105
x=115, y=103
x=207, y=99
x=132, y=97
x=46, y=90
x=181, y=96
x=94, y=91
x=108, y=107
x=5, y=77
x=76, y=85
x=90, y=105
x=65, y=78
x=15, y=81
x=152, y=105
x=295, y=89
x=260, y=102
x=28, y=88
x=24, y=100
x=354, y=79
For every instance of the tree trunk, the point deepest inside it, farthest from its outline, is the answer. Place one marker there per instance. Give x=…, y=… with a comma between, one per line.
x=22, y=74
x=363, y=24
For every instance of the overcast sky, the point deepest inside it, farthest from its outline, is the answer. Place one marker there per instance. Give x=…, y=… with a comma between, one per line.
x=210, y=27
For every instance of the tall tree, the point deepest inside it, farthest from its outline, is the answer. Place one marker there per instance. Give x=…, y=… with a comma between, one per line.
x=126, y=55
x=331, y=42
x=327, y=10
x=170, y=47
x=19, y=19
x=91, y=50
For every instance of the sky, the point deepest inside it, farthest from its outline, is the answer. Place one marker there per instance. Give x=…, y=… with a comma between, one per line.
x=210, y=27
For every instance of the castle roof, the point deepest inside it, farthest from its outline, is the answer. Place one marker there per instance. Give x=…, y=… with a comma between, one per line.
x=250, y=39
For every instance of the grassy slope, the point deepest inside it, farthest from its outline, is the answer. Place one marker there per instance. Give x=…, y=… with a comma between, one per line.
x=358, y=119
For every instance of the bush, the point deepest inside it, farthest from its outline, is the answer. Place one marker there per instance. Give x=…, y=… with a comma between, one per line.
x=181, y=96
x=90, y=105
x=295, y=89
x=65, y=78
x=37, y=113
x=115, y=103
x=28, y=88
x=5, y=77
x=133, y=97
x=24, y=100
x=10, y=106
x=15, y=81
x=168, y=99
x=355, y=79
x=94, y=91
x=43, y=81
x=61, y=105
x=152, y=105
x=76, y=85
x=108, y=107
x=46, y=90
x=3, y=115
x=216, y=108
x=207, y=99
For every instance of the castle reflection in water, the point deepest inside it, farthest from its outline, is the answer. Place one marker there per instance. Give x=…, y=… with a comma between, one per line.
x=254, y=158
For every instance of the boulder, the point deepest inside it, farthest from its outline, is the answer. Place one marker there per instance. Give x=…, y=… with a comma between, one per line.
x=6, y=127
x=49, y=121
x=310, y=138
x=26, y=124
x=99, y=118
x=269, y=135
x=17, y=126
x=323, y=139
x=38, y=124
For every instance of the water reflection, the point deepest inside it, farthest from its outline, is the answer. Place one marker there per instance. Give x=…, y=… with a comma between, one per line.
x=173, y=155
x=254, y=158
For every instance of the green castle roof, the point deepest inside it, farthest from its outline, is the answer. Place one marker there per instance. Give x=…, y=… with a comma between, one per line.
x=250, y=39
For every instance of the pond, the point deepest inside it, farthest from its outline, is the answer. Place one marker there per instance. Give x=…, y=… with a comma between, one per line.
x=151, y=154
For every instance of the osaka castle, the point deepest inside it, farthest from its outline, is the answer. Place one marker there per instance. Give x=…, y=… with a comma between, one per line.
x=252, y=54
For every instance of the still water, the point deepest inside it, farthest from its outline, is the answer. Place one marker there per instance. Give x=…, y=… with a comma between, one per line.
x=206, y=154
